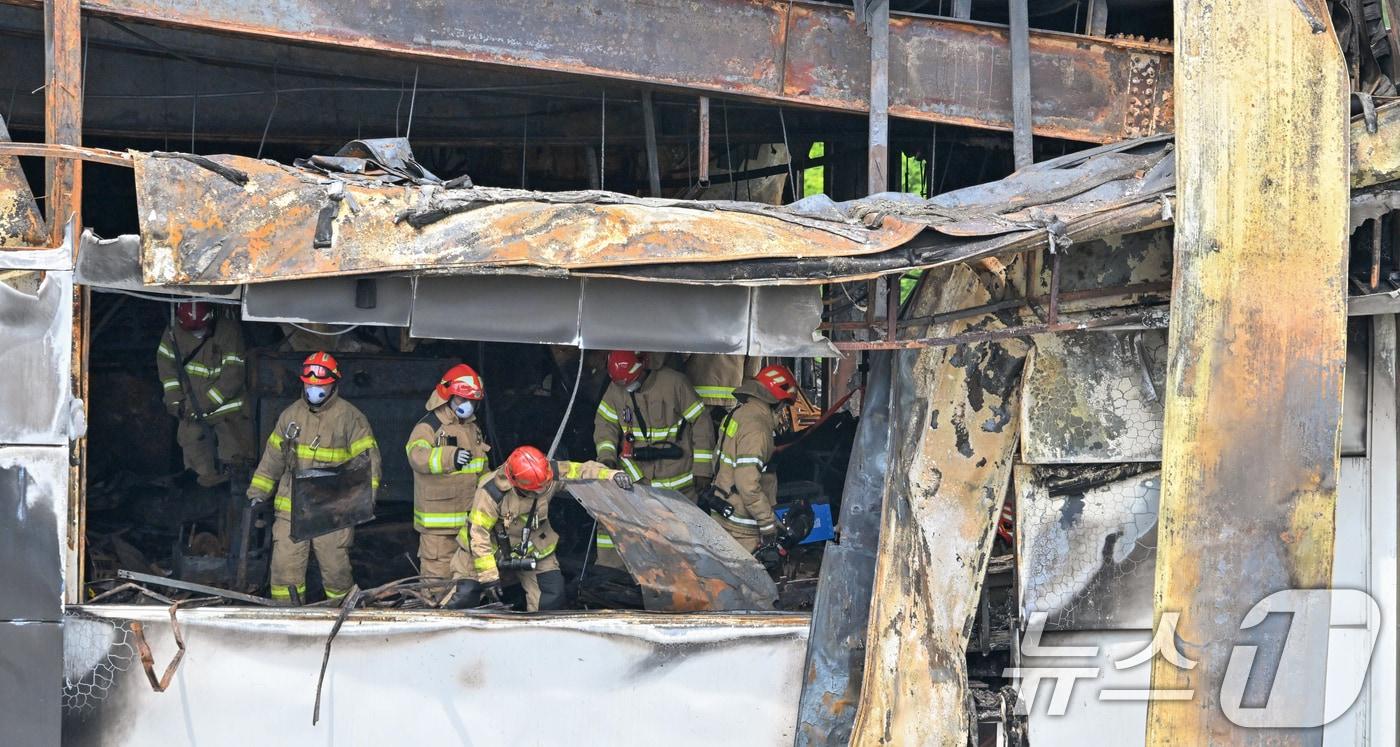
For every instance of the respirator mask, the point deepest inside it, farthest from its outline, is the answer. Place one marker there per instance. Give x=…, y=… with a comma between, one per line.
x=316, y=395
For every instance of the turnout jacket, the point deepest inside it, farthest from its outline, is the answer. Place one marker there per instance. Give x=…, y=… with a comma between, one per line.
x=442, y=493
x=665, y=410
x=745, y=446
x=715, y=376
x=212, y=384
x=498, y=502
x=331, y=434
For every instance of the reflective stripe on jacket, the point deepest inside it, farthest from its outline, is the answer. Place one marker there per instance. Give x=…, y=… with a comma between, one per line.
x=442, y=493
x=745, y=446
x=670, y=413
x=215, y=372
x=332, y=434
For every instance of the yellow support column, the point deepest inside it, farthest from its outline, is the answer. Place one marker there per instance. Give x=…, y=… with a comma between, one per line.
x=1257, y=352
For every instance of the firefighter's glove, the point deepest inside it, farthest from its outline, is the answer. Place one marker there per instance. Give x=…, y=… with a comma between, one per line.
x=176, y=408
x=254, y=500
x=491, y=593
x=463, y=457
x=622, y=480
x=466, y=594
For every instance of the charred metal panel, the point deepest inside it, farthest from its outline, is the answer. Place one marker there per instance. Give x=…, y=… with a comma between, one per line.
x=1090, y=717
x=1086, y=546
x=785, y=320
x=376, y=301
x=31, y=666
x=1258, y=351
x=34, y=502
x=1094, y=397
x=116, y=264
x=683, y=560
x=35, y=353
x=655, y=316
x=1088, y=88
x=232, y=219
x=951, y=471
x=20, y=221
x=439, y=678
x=836, y=652
x=499, y=309
x=1356, y=388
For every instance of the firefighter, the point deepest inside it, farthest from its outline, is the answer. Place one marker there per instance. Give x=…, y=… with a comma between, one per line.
x=743, y=493
x=200, y=362
x=320, y=429
x=715, y=376
x=508, y=530
x=447, y=453
x=646, y=424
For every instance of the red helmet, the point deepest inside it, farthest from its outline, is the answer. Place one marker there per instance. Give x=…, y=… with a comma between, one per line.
x=320, y=369
x=460, y=381
x=194, y=315
x=528, y=469
x=779, y=382
x=626, y=366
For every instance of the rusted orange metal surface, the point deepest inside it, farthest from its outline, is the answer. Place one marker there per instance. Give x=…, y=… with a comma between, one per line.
x=200, y=226
x=954, y=441
x=808, y=54
x=1257, y=351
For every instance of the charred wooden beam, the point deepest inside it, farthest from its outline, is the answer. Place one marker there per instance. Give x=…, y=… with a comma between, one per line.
x=809, y=54
x=1256, y=357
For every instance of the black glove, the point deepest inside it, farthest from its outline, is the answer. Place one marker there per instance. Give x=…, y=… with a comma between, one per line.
x=491, y=593
x=622, y=480
x=463, y=456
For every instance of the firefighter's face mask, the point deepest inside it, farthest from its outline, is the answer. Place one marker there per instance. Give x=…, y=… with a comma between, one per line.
x=463, y=407
x=316, y=395
x=199, y=333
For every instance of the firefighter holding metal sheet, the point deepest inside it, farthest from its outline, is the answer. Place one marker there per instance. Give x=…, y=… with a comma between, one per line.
x=448, y=454
x=649, y=424
x=320, y=431
x=744, y=494
x=200, y=361
x=508, y=532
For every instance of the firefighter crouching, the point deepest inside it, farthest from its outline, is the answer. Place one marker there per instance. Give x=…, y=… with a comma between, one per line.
x=508, y=530
x=743, y=493
x=319, y=430
x=200, y=361
x=648, y=423
x=447, y=453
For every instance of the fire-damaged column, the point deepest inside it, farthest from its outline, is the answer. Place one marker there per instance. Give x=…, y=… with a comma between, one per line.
x=1254, y=386
x=953, y=442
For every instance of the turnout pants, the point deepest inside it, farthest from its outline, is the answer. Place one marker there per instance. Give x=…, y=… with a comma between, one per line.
x=289, y=561
x=435, y=553
x=205, y=446
x=544, y=586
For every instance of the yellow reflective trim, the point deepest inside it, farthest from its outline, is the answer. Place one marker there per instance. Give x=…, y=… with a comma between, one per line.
x=435, y=460
x=417, y=442
x=440, y=521
x=715, y=392
x=284, y=593
x=545, y=551
x=232, y=358
x=604, y=542
x=263, y=483
x=572, y=470
x=484, y=563
x=482, y=519
x=282, y=503
x=334, y=593
x=170, y=384
x=633, y=470
x=673, y=483
x=603, y=446
x=374, y=482
x=274, y=440
x=199, y=369
x=475, y=466
x=362, y=444
x=702, y=455
x=215, y=395
x=731, y=427
x=164, y=350
x=693, y=412
x=233, y=406
x=607, y=412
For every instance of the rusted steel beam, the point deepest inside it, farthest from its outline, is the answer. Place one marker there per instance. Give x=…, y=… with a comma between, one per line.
x=810, y=54
x=878, y=150
x=71, y=152
x=1254, y=381
x=63, y=111
x=953, y=443
x=1020, y=83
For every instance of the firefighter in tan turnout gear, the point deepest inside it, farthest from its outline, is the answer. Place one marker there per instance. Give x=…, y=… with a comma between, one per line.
x=743, y=494
x=508, y=531
x=447, y=453
x=319, y=430
x=646, y=424
x=200, y=361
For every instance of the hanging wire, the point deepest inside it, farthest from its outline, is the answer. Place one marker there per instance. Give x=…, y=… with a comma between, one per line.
x=268, y=124
x=348, y=328
x=603, y=145
x=728, y=155
x=397, y=108
x=524, y=146
x=411, y=100
x=792, y=179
